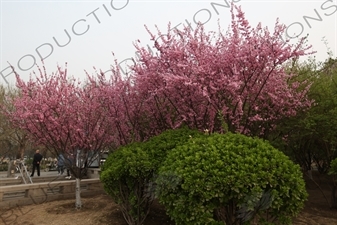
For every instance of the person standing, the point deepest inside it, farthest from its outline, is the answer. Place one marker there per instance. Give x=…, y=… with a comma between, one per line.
x=36, y=163
x=69, y=165
x=60, y=164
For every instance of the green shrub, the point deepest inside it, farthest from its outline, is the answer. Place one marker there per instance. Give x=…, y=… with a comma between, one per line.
x=158, y=146
x=126, y=176
x=128, y=173
x=333, y=167
x=230, y=179
x=4, y=167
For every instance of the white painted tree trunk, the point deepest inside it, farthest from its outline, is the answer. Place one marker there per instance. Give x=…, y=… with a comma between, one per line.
x=78, y=203
x=11, y=168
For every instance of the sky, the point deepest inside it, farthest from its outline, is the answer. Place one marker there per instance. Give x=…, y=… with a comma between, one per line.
x=90, y=35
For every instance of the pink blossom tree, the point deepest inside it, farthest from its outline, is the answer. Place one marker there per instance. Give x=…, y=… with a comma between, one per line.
x=212, y=81
x=129, y=108
x=123, y=104
x=66, y=117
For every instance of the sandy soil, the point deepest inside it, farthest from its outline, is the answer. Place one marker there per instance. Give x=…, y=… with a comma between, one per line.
x=101, y=210
x=96, y=210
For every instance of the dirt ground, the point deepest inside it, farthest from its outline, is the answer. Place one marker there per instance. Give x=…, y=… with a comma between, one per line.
x=101, y=210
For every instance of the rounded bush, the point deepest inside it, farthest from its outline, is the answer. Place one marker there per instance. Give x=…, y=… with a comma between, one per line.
x=159, y=146
x=230, y=179
x=128, y=173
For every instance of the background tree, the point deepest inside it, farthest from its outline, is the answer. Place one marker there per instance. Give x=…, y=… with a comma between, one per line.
x=64, y=117
x=14, y=142
x=10, y=137
x=311, y=136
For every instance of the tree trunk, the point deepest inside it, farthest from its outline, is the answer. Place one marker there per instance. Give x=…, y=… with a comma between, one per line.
x=78, y=203
x=333, y=193
x=10, y=168
x=77, y=171
x=309, y=172
x=22, y=147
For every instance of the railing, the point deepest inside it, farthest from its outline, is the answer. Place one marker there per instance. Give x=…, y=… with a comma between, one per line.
x=24, y=172
x=27, y=194
x=18, y=179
